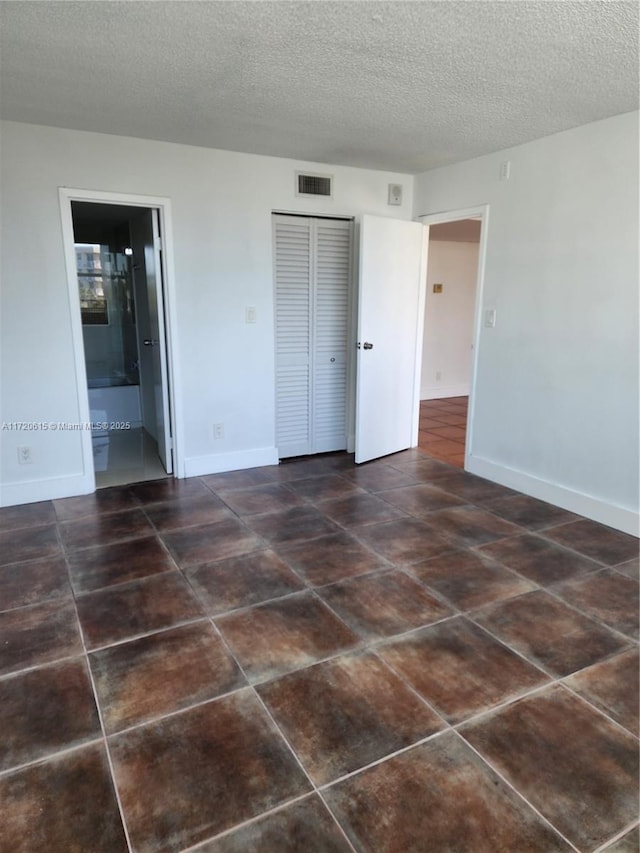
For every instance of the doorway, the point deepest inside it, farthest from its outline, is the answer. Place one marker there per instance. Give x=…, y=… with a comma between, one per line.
x=453, y=287
x=447, y=350
x=119, y=290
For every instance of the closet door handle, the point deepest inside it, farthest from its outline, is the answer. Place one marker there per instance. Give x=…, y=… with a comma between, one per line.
x=367, y=345
x=150, y=342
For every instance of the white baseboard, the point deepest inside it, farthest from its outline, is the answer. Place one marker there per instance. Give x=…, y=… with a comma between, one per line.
x=31, y=491
x=217, y=463
x=613, y=516
x=437, y=392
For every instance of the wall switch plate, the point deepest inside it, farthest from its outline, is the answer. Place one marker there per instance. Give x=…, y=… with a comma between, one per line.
x=218, y=431
x=505, y=170
x=437, y=288
x=250, y=315
x=395, y=194
x=490, y=318
x=24, y=455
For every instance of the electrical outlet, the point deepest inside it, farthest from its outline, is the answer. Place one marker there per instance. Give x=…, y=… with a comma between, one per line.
x=250, y=315
x=24, y=455
x=218, y=431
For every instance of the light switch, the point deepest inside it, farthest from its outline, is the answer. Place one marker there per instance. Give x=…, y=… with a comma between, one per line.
x=490, y=318
x=437, y=288
x=250, y=315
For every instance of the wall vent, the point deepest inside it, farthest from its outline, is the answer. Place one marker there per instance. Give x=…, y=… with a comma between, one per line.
x=308, y=184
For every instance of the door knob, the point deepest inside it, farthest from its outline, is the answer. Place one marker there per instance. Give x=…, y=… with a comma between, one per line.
x=367, y=345
x=150, y=342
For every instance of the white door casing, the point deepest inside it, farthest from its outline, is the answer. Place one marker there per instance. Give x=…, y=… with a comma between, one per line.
x=393, y=256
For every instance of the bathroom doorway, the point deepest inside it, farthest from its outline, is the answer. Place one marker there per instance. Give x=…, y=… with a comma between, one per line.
x=119, y=267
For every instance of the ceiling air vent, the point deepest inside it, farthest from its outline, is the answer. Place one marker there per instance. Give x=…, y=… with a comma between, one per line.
x=307, y=184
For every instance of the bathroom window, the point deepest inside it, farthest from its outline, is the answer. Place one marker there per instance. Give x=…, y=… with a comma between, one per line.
x=91, y=283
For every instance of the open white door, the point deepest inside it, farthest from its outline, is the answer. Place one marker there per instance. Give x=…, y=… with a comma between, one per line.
x=145, y=238
x=390, y=322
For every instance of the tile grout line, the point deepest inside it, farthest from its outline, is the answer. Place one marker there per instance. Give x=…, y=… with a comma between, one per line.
x=105, y=741
x=279, y=730
x=617, y=837
x=517, y=792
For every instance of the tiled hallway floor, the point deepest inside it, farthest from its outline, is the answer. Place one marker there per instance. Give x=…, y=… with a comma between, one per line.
x=317, y=657
x=443, y=429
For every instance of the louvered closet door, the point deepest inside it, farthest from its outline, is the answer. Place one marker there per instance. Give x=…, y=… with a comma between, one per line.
x=330, y=333
x=312, y=280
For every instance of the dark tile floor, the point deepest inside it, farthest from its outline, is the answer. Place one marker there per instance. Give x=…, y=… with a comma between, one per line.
x=317, y=657
x=443, y=429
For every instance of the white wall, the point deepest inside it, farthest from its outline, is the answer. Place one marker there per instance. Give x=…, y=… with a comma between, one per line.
x=221, y=206
x=448, y=319
x=556, y=411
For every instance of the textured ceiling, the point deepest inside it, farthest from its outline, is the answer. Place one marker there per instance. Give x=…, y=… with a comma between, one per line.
x=405, y=86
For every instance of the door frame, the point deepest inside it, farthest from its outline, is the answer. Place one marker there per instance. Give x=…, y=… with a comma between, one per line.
x=66, y=195
x=480, y=212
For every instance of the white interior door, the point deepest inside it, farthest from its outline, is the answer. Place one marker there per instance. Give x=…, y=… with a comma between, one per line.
x=145, y=238
x=390, y=323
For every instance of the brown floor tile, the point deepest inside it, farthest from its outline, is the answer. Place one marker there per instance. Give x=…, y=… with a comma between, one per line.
x=31, y=583
x=188, y=512
x=31, y=636
x=125, y=611
x=456, y=433
x=469, y=580
x=612, y=686
x=459, y=668
x=156, y=675
x=629, y=843
x=529, y=512
x=328, y=487
x=274, y=497
x=104, y=529
x=469, y=525
x=440, y=447
x=434, y=798
x=37, y=543
x=448, y=419
x=169, y=489
x=242, y=581
x=114, y=499
x=294, y=525
x=359, y=510
x=431, y=422
x=211, y=542
x=27, y=515
x=65, y=804
x=382, y=604
x=549, y=633
x=190, y=776
x=536, y=558
x=330, y=558
x=473, y=489
x=341, y=715
x=405, y=540
x=107, y=565
x=631, y=569
x=314, y=466
x=46, y=710
x=420, y=500
x=421, y=469
x=576, y=768
x=607, y=596
x=306, y=825
x=243, y=479
x=377, y=476
x=596, y=541
x=293, y=632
